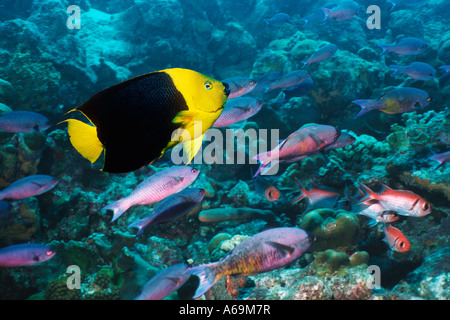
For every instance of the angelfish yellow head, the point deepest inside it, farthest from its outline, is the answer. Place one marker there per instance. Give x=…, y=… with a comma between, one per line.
x=202, y=93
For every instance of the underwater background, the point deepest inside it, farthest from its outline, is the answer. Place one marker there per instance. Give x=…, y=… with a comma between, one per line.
x=49, y=68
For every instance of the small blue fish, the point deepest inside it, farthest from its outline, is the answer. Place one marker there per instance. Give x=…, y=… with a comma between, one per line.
x=5, y=208
x=164, y=283
x=321, y=54
x=24, y=121
x=290, y=79
x=265, y=80
x=299, y=90
x=405, y=46
x=171, y=208
x=396, y=3
x=415, y=70
x=278, y=20
x=446, y=68
x=342, y=11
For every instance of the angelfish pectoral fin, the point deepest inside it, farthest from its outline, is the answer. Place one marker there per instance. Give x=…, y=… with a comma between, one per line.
x=191, y=147
x=84, y=139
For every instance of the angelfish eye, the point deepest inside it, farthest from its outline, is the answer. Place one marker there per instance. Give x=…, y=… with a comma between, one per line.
x=208, y=85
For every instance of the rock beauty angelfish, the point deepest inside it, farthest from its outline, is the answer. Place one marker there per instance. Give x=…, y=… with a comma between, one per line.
x=133, y=121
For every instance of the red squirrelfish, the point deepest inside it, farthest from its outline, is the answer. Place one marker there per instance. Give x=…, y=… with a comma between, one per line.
x=265, y=251
x=396, y=239
x=28, y=187
x=403, y=202
x=372, y=209
x=238, y=109
x=266, y=189
x=304, y=142
x=317, y=197
x=164, y=283
x=24, y=121
x=155, y=188
x=398, y=100
x=26, y=254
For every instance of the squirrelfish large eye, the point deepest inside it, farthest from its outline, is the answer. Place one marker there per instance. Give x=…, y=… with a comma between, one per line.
x=208, y=85
x=426, y=206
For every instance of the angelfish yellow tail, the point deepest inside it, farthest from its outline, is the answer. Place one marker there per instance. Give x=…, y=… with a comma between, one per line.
x=84, y=139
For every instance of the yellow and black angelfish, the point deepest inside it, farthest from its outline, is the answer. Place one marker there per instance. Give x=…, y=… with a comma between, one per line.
x=133, y=121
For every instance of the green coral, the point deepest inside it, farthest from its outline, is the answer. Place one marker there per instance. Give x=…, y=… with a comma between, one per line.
x=420, y=131
x=330, y=261
x=34, y=76
x=332, y=229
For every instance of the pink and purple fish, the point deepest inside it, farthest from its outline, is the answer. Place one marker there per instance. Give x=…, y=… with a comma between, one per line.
x=28, y=187
x=236, y=110
x=400, y=100
x=164, y=283
x=321, y=54
x=415, y=70
x=290, y=79
x=441, y=158
x=303, y=143
x=171, y=208
x=446, y=68
x=405, y=46
x=239, y=86
x=26, y=254
x=344, y=10
x=23, y=121
x=265, y=251
x=155, y=188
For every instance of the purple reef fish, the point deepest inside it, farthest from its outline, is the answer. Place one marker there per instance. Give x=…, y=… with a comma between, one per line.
x=263, y=81
x=415, y=70
x=306, y=141
x=405, y=46
x=441, y=158
x=164, y=283
x=238, y=109
x=345, y=139
x=265, y=251
x=155, y=188
x=299, y=90
x=290, y=79
x=342, y=11
x=400, y=100
x=446, y=68
x=28, y=187
x=171, y=208
x=240, y=86
x=277, y=20
x=26, y=254
x=321, y=54
x=23, y=121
